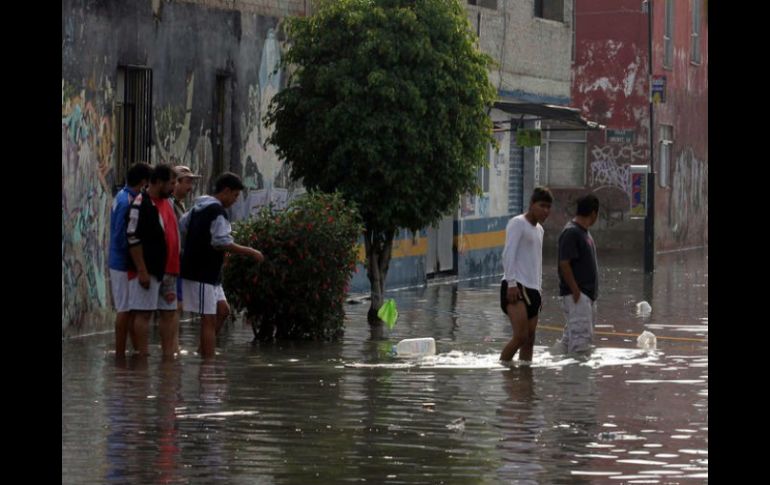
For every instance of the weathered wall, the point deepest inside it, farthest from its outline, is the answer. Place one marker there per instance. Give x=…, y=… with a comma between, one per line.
x=533, y=54
x=97, y=37
x=681, y=208
x=610, y=84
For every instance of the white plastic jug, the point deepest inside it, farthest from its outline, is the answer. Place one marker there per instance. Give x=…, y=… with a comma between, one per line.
x=643, y=308
x=647, y=341
x=416, y=347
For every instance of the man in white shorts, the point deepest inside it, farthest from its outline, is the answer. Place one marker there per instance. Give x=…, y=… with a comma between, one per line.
x=119, y=260
x=206, y=233
x=153, y=242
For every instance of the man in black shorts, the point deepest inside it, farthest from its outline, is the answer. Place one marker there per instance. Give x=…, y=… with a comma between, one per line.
x=523, y=274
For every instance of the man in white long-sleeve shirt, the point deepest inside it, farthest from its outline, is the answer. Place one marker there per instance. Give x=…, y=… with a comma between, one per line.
x=523, y=274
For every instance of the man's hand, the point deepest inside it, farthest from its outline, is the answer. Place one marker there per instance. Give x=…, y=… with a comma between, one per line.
x=170, y=297
x=144, y=279
x=258, y=256
x=576, y=296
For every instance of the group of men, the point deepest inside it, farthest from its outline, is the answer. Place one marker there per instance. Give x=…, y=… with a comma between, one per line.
x=166, y=258
x=521, y=287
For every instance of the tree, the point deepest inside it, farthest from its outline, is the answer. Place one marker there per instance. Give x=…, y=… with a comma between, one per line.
x=387, y=102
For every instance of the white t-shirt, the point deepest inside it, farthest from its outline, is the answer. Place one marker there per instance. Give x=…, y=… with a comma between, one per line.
x=523, y=253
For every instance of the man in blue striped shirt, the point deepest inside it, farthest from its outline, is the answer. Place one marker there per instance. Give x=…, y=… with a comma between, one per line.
x=138, y=176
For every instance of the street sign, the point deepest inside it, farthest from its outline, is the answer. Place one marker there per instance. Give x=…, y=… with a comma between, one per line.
x=638, y=191
x=658, y=89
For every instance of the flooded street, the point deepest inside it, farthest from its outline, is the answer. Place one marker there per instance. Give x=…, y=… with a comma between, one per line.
x=351, y=412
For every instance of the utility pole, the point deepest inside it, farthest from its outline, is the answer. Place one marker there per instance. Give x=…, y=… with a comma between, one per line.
x=649, y=220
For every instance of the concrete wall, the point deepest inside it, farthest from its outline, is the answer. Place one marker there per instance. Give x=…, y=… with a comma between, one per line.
x=533, y=54
x=97, y=37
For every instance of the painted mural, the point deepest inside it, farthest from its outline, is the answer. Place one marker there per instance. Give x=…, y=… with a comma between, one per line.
x=266, y=177
x=182, y=130
x=174, y=139
x=688, y=204
x=87, y=146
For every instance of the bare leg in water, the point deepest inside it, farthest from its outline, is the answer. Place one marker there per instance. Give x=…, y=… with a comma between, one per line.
x=517, y=314
x=527, y=349
x=223, y=311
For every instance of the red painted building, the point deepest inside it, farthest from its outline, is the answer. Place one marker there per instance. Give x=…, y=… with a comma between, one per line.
x=611, y=86
x=680, y=53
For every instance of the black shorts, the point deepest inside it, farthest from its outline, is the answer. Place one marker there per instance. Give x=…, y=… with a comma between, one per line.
x=530, y=297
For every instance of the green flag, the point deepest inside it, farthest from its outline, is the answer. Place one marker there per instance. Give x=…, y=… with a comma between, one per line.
x=388, y=313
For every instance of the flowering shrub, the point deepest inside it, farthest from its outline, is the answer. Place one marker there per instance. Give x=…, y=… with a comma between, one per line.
x=310, y=252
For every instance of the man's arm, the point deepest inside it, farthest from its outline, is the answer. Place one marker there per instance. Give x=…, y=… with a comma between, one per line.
x=512, y=238
x=222, y=239
x=568, y=250
x=244, y=250
x=569, y=278
x=135, y=244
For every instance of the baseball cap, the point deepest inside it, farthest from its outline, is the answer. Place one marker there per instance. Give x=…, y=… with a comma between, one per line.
x=184, y=171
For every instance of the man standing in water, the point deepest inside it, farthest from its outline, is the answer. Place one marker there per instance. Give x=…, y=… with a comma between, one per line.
x=523, y=274
x=578, y=278
x=153, y=243
x=185, y=182
x=136, y=178
x=207, y=234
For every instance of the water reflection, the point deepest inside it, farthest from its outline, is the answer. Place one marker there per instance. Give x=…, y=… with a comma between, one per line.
x=128, y=422
x=294, y=413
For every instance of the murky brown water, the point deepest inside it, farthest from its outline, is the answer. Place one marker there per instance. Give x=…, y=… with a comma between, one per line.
x=299, y=413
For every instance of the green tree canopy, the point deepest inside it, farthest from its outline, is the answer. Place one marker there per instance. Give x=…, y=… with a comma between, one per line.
x=387, y=103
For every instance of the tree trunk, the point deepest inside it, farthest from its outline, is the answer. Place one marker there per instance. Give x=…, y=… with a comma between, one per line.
x=379, y=246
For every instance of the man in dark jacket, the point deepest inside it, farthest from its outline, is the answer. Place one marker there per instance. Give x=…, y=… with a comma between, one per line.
x=206, y=233
x=153, y=242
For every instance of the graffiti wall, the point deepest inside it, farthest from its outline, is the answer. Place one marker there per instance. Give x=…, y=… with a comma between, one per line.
x=681, y=216
x=242, y=48
x=609, y=86
x=688, y=204
x=87, y=147
x=265, y=176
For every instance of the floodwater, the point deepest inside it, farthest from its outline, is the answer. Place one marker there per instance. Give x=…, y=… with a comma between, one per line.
x=350, y=412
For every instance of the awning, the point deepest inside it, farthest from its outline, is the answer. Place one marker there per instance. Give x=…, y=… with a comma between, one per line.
x=543, y=112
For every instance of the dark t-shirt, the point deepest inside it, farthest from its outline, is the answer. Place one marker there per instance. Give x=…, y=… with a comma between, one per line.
x=577, y=246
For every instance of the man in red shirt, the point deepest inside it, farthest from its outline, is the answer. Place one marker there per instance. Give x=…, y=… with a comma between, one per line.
x=153, y=242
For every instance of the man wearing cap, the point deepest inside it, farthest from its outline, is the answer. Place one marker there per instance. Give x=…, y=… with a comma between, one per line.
x=185, y=182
